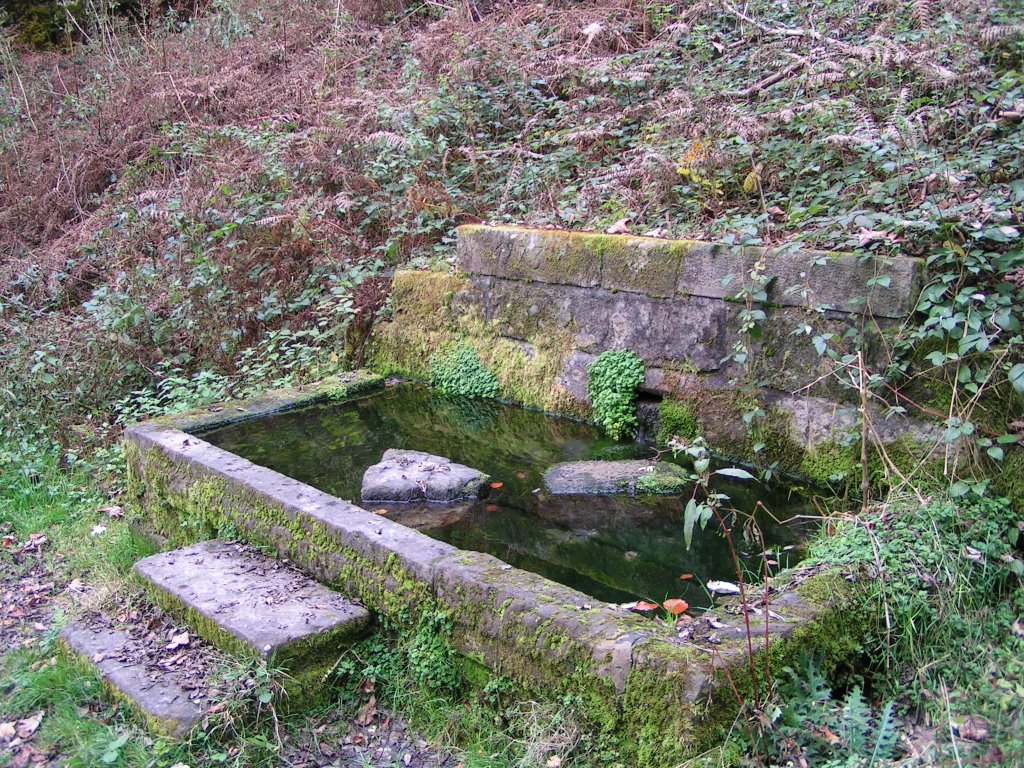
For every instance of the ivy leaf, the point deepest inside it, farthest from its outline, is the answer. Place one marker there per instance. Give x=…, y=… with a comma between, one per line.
x=736, y=472
x=690, y=515
x=1016, y=377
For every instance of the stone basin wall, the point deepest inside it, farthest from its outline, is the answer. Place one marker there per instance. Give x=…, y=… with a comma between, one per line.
x=665, y=697
x=540, y=305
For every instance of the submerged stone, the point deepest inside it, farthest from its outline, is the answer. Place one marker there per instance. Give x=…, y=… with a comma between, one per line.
x=417, y=476
x=616, y=477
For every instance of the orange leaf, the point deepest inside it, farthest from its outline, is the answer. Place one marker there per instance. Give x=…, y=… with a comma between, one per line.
x=676, y=606
x=686, y=577
x=643, y=606
x=496, y=486
x=491, y=508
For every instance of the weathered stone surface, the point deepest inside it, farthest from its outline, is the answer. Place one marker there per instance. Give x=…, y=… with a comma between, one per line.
x=415, y=476
x=667, y=268
x=158, y=697
x=255, y=599
x=690, y=330
x=616, y=477
x=814, y=420
x=345, y=384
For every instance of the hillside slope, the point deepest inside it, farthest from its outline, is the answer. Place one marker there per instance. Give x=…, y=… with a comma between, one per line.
x=174, y=195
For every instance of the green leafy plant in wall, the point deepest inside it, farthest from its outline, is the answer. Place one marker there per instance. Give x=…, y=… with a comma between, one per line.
x=459, y=371
x=613, y=378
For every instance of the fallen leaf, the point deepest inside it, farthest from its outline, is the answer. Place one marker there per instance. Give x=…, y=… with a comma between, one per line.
x=642, y=606
x=777, y=213
x=1017, y=628
x=496, y=485
x=491, y=508
x=380, y=511
x=7, y=731
x=521, y=475
x=98, y=657
x=972, y=554
x=974, y=729
x=676, y=606
x=830, y=737
x=367, y=712
x=553, y=762
x=620, y=227
x=865, y=236
x=723, y=587
x=367, y=686
x=98, y=530
x=27, y=727
x=7, y=540
x=178, y=641
x=685, y=577
x=113, y=511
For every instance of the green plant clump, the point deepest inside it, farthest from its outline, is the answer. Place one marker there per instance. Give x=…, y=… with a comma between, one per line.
x=460, y=372
x=613, y=379
x=676, y=420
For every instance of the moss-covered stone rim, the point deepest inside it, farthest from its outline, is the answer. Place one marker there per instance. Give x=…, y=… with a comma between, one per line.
x=342, y=386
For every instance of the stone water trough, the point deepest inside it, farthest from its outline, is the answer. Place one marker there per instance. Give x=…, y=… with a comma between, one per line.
x=662, y=691
x=537, y=307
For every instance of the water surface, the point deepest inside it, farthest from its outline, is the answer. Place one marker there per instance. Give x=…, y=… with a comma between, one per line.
x=615, y=549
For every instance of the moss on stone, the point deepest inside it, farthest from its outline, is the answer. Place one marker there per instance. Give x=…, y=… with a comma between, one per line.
x=427, y=320
x=664, y=479
x=166, y=727
x=676, y=419
x=829, y=463
x=772, y=434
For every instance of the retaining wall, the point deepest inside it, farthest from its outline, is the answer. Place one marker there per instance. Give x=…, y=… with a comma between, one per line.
x=539, y=306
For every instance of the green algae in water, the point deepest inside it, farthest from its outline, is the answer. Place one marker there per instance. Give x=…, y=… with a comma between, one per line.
x=613, y=548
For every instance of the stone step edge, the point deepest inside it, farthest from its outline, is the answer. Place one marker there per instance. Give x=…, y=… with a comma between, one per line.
x=164, y=706
x=300, y=668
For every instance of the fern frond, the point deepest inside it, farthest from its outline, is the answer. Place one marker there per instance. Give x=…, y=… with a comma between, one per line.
x=342, y=202
x=922, y=12
x=388, y=139
x=153, y=213
x=849, y=140
x=820, y=79
x=992, y=35
x=886, y=735
x=856, y=721
x=269, y=222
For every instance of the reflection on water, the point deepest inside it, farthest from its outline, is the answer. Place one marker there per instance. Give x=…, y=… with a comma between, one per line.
x=613, y=548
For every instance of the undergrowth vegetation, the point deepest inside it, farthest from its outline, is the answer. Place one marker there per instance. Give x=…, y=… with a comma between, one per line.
x=206, y=199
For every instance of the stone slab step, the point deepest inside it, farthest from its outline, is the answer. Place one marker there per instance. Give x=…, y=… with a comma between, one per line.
x=246, y=602
x=166, y=689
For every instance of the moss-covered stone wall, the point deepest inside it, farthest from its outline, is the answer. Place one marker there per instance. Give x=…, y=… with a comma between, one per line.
x=539, y=306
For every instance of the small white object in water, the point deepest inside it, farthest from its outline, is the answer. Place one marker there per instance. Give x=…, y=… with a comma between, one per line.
x=723, y=587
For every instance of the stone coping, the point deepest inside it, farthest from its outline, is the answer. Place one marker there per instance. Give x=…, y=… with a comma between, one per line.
x=661, y=268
